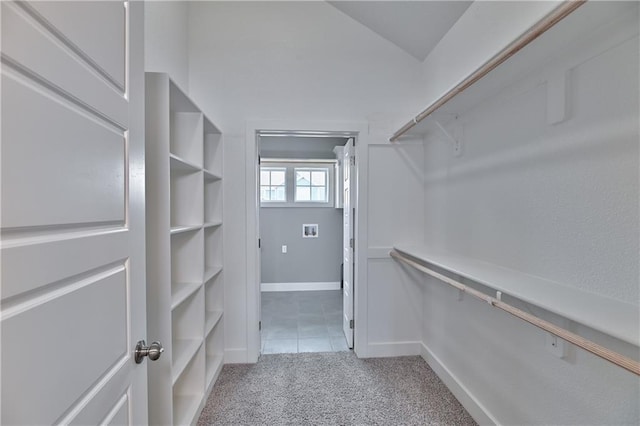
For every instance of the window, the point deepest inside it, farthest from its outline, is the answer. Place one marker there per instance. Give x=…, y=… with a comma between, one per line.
x=311, y=185
x=273, y=184
x=297, y=183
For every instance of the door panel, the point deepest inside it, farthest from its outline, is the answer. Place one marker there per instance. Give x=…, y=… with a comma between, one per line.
x=79, y=178
x=106, y=404
x=73, y=75
x=72, y=214
x=80, y=22
x=25, y=269
x=348, y=243
x=90, y=339
x=118, y=415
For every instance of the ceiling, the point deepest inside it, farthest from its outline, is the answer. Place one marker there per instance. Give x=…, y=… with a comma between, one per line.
x=414, y=26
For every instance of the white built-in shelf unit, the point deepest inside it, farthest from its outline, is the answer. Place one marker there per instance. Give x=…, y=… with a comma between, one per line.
x=185, y=290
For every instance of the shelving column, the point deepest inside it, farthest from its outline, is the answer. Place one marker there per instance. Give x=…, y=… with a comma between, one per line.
x=185, y=293
x=213, y=278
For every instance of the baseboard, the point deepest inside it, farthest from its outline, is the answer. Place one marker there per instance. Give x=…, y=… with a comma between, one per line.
x=236, y=356
x=382, y=350
x=479, y=413
x=309, y=286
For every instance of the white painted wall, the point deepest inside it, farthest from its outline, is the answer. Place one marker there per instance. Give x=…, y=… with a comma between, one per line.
x=293, y=60
x=482, y=31
x=235, y=256
x=559, y=201
x=395, y=210
x=166, y=39
x=303, y=62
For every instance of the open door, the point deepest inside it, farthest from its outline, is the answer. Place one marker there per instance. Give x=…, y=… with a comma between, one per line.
x=73, y=239
x=348, y=242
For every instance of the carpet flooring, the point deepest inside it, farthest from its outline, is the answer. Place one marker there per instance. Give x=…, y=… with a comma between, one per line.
x=331, y=389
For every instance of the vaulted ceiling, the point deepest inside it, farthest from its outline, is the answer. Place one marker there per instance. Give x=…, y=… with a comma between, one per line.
x=414, y=26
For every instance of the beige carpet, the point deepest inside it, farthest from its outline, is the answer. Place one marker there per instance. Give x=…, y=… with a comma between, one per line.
x=332, y=389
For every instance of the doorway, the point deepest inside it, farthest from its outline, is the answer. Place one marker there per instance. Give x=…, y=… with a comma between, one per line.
x=303, y=300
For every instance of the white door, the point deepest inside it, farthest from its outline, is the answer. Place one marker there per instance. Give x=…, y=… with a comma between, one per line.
x=72, y=215
x=348, y=241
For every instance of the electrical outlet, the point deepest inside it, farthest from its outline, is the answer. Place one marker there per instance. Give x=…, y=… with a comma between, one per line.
x=284, y=249
x=555, y=345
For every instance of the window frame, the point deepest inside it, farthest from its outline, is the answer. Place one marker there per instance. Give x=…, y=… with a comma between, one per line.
x=290, y=184
x=271, y=169
x=311, y=170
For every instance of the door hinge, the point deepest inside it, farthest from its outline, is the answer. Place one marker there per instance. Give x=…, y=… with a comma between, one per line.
x=353, y=160
x=259, y=325
x=351, y=324
x=259, y=243
x=351, y=243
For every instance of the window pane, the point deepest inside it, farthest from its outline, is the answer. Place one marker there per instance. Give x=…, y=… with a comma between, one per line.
x=279, y=193
x=303, y=194
x=264, y=193
x=318, y=178
x=264, y=178
x=277, y=178
x=318, y=194
x=303, y=178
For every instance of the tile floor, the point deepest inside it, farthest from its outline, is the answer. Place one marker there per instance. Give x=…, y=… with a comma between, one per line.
x=302, y=321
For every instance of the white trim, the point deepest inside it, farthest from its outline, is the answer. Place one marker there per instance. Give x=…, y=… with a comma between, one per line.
x=474, y=407
x=308, y=286
x=252, y=249
x=360, y=130
x=389, y=349
x=360, y=293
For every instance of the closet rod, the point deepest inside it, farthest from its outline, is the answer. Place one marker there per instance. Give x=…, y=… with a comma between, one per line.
x=534, y=32
x=611, y=356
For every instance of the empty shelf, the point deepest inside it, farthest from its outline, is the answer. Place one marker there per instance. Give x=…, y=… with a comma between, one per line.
x=183, y=351
x=609, y=316
x=211, y=320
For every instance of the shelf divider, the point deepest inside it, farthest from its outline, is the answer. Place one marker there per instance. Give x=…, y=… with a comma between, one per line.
x=212, y=318
x=183, y=350
x=181, y=292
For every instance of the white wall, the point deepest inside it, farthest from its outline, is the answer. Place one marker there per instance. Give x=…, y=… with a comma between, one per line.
x=166, y=39
x=235, y=256
x=305, y=61
x=395, y=209
x=554, y=200
x=294, y=61
x=483, y=30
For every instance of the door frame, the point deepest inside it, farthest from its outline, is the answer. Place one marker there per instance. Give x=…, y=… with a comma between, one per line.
x=357, y=130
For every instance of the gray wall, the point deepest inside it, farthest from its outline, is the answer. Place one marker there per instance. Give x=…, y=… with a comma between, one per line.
x=307, y=259
x=299, y=147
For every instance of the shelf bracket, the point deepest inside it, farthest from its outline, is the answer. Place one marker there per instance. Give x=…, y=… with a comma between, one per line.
x=456, y=140
x=557, y=96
